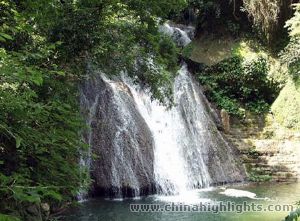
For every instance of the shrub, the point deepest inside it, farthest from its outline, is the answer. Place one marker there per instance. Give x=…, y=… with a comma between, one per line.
x=291, y=54
x=235, y=84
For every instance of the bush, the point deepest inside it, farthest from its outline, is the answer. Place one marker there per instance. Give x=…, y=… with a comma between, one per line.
x=44, y=49
x=235, y=84
x=187, y=51
x=293, y=216
x=8, y=218
x=291, y=54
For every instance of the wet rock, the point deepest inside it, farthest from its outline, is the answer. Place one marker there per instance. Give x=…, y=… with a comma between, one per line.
x=120, y=140
x=123, y=144
x=221, y=158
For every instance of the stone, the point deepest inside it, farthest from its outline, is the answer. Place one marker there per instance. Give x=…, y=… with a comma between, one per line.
x=45, y=207
x=225, y=121
x=122, y=144
x=120, y=139
x=275, y=155
x=33, y=213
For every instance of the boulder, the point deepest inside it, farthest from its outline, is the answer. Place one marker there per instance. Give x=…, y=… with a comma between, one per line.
x=120, y=140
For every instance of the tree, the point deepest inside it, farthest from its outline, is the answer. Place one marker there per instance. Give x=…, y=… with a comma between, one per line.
x=269, y=16
x=45, y=46
x=291, y=54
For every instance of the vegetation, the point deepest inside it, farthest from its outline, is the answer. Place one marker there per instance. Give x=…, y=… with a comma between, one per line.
x=290, y=94
x=288, y=97
x=235, y=84
x=39, y=120
x=211, y=14
x=293, y=216
x=246, y=81
x=8, y=218
x=268, y=18
x=291, y=54
x=264, y=14
x=45, y=46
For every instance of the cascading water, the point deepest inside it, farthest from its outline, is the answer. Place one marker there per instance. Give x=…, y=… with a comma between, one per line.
x=142, y=147
x=182, y=36
x=180, y=136
x=85, y=161
x=118, y=137
x=187, y=143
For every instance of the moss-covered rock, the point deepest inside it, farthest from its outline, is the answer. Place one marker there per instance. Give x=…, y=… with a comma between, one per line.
x=286, y=107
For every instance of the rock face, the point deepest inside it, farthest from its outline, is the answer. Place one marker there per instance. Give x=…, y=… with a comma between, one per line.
x=139, y=147
x=223, y=161
x=270, y=151
x=220, y=159
x=225, y=121
x=120, y=140
x=278, y=158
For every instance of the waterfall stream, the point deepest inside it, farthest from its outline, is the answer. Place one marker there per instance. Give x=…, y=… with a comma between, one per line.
x=180, y=135
x=143, y=147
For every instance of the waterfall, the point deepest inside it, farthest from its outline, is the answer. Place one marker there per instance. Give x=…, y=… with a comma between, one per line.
x=85, y=161
x=180, y=136
x=142, y=147
x=181, y=35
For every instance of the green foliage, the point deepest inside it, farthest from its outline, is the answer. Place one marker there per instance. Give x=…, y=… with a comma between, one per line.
x=235, y=84
x=187, y=50
x=8, y=218
x=287, y=105
x=231, y=105
x=157, y=72
x=115, y=35
x=291, y=54
x=44, y=48
x=233, y=28
x=259, y=178
x=218, y=16
x=293, y=24
x=253, y=154
x=39, y=118
x=293, y=216
x=209, y=15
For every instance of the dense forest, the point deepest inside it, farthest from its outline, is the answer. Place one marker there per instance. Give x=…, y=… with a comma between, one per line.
x=46, y=46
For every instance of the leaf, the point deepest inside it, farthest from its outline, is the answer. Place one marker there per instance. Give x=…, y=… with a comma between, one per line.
x=34, y=198
x=18, y=142
x=4, y=217
x=20, y=194
x=52, y=46
x=38, y=80
x=2, y=39
x=58, y=43
x=6, y=36
x=61, y=73
x=54, y=195
x=36, y=76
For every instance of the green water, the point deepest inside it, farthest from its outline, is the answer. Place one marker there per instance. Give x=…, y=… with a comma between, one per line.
x=266, y=194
